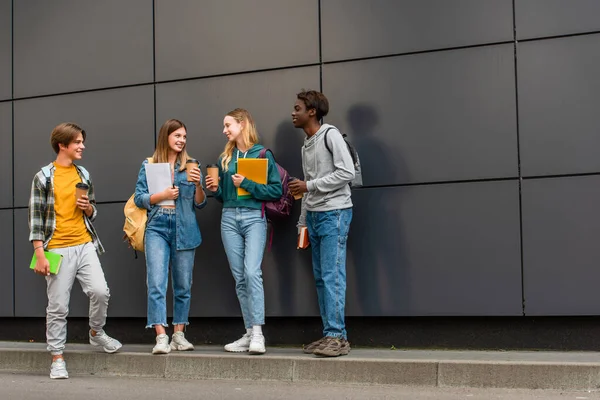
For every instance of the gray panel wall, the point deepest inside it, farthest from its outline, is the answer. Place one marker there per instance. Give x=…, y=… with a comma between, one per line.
x=560, y=245
x=445, y=124
x=357, y=28
x=440, y=116
x=559, y=99
x=214, y=37
x=435, y=250
x=6, y=171
x=7, y=265
x=70, y=45
x=5, y=50
x=540, y=18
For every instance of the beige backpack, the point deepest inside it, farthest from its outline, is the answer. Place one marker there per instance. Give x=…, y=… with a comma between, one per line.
x=135, y=223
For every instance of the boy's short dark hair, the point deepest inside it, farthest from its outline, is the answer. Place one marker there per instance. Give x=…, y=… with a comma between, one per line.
x=316, y=100
x=64, y=134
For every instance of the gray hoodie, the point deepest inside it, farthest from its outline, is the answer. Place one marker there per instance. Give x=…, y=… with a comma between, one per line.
x=326, y=174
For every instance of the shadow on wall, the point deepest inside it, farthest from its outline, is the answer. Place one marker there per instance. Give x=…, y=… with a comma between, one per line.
x=288, y=149
x=378, y=271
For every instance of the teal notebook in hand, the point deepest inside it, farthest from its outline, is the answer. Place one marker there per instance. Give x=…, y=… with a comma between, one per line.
x=54, y=259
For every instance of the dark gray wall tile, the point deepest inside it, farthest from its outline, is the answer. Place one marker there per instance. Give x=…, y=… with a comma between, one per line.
x=219, y=36
x=435, y=250
x=6, y=267
x=560, y=245
x=5, y=50
x=69, y=45
x=6, y=170
x=30, y=289
x=559, y=98
x=120, y=134
x=429, y=117
x=357, y=28
x=539, y=18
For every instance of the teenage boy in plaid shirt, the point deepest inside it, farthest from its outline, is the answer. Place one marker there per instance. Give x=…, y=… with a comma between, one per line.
x=62, y=224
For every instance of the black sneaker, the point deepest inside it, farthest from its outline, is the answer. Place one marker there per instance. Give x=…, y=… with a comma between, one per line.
x=333, y=347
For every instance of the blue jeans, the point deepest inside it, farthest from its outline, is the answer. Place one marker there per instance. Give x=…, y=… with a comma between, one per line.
x=244, y=235
x=328, y=234
x=161, y=250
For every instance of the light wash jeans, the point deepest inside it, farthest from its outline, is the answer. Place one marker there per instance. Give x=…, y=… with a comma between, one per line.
x=79, y=262
x=328, y=234
x=244, y=235
x=161, y=250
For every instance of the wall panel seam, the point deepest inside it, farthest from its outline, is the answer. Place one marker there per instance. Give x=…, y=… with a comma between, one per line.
x=515, y=44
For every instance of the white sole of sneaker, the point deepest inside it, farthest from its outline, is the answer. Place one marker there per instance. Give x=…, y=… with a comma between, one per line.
x=59, y=377
x=181, y=348
x=158, y=351
x=109, y=351
x=257, y=351
x=237, y=350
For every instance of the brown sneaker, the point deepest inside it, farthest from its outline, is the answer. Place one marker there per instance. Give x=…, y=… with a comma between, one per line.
x=333, y=347
x=311, y=347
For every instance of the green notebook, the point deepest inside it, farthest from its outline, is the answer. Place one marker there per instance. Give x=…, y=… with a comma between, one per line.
x=54, y=259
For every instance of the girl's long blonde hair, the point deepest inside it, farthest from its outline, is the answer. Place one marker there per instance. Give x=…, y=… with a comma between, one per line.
x=161, y=154
x=249, y=135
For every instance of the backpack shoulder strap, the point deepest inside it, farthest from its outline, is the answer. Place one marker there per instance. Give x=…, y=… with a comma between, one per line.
x=327, y=143
x=263, y=154
x=46, y=172
x=84, y=171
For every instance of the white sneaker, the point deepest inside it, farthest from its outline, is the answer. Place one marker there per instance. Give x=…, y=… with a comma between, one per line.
x=162, y=345
x=257, y=344
x=109, y=344
x=179, y=342
x=58, y=370
x=239, y=346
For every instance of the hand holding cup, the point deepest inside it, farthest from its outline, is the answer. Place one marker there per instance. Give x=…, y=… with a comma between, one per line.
x=212, y=177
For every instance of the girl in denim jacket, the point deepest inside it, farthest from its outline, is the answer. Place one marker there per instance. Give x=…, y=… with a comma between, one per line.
x=172, y=236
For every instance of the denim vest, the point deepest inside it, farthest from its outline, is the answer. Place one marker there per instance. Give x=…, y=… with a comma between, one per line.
x=188, y=232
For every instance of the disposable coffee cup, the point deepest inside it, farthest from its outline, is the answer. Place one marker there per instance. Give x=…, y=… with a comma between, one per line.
x=212, y=170
x=296, y=196
x=81, y=189
x=189, y=165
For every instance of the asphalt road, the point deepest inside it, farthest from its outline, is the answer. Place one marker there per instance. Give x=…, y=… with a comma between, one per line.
x=36, y=387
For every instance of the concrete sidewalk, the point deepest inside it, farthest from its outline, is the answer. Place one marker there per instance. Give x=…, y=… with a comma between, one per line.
x=486, y=369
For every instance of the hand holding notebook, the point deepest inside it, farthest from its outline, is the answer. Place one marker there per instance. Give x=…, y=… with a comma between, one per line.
x=255, y=169
x=54, y=259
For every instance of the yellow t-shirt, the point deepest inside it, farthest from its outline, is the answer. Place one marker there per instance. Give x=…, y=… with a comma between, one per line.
x=70, y=227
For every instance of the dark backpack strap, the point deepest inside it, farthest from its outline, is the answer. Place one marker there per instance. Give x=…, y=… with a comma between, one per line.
x=327, y=144
x=263, y=154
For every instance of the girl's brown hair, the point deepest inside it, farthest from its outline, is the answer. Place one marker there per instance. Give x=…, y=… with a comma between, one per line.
x=161, y=154
x=65, y=134
x=249, y=134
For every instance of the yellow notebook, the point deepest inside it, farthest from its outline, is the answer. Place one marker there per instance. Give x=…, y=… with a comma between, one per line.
x=255, y=169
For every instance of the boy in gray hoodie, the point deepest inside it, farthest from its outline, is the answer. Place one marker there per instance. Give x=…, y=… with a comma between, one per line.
x=326, y=212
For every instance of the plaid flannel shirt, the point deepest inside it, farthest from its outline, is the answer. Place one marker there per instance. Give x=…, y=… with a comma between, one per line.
x=42, y=216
